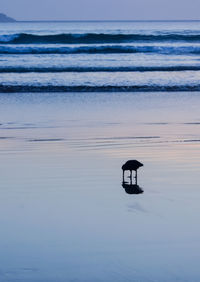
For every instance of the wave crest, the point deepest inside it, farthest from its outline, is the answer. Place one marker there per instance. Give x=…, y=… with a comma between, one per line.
x=90, y=38
x=13, y=69
x=101, y=49
x=107, y=88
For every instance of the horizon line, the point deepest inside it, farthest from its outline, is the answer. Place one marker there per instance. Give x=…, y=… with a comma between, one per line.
x=174, y=20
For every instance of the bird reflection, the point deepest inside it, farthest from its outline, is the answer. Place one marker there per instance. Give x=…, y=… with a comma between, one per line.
x=131, y=188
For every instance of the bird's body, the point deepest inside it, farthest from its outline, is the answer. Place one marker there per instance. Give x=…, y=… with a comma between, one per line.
x=131, y=165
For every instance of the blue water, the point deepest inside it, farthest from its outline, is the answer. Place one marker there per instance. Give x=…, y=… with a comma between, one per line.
x=99, y=56
x=64, y=214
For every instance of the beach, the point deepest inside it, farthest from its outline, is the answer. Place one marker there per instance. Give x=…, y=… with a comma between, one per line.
x=64, y=213
x=78, y=100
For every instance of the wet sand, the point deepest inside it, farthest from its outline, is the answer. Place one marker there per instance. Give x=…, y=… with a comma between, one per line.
x=64, y=213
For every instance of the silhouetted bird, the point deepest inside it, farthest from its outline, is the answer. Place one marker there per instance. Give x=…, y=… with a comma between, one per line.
x=131, y=165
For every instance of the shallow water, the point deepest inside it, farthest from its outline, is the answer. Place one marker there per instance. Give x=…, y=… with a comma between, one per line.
x=63, y=211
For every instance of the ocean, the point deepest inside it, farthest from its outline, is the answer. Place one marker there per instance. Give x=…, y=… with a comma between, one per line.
x=99, y=56
x=77, y=100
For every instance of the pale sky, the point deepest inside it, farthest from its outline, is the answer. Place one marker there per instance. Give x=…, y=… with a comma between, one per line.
x=101, y=9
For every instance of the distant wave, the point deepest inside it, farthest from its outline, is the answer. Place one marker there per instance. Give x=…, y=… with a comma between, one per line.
x=89, y=38
x=107, y=88
x=97, y=69
x=102, y=49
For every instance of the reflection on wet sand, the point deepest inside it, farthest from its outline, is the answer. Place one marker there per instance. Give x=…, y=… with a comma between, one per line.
x=131, y=188
x=61, y=193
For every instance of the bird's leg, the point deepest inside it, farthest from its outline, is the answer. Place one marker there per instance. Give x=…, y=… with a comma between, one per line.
x=136, y=177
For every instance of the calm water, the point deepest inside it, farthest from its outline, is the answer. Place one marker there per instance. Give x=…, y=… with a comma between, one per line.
x=64, y=214
x=63, y=211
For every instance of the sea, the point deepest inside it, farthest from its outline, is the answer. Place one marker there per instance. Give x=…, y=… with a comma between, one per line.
x=78, y=100
x=99, y=56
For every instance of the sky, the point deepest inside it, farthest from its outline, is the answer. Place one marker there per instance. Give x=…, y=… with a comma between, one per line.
x=101, y=9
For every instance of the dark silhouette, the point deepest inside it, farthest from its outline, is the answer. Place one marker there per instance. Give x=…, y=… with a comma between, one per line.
x=131, y=165
x=132, y=188
x=6, y=19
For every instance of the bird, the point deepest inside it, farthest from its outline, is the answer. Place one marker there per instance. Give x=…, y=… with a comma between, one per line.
x=131, y=165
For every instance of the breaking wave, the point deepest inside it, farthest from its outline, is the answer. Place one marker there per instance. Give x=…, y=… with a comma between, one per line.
x=106, y=88
x=94, y=49
x=13, y=69
x=90, y=38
